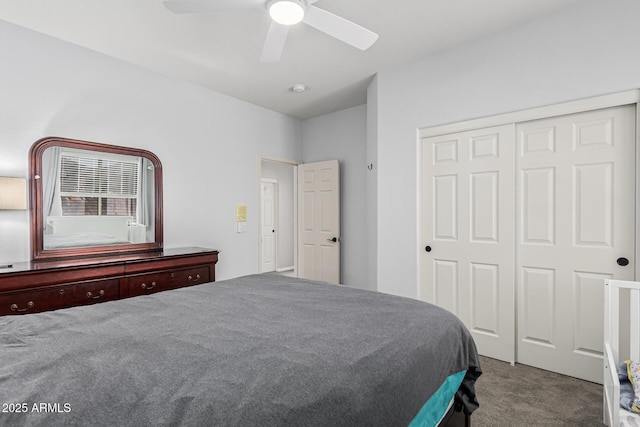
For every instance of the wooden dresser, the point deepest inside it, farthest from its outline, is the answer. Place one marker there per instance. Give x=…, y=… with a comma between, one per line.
x=32, y=287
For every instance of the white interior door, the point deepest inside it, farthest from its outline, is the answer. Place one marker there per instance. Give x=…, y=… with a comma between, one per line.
x=319, y=221
x=468, y=232
x=576, y=219
x=268, y=201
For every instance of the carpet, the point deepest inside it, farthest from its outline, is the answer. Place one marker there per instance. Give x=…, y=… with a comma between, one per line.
x=521, y=395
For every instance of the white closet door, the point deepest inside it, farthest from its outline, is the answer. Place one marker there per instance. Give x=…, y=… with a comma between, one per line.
x=468, y=232
x=576, y=207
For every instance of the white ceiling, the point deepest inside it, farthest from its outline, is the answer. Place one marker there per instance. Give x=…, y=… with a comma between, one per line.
x=221, y=51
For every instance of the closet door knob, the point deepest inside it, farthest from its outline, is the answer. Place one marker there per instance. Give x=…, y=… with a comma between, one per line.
x=622, y=262
x=427, y=248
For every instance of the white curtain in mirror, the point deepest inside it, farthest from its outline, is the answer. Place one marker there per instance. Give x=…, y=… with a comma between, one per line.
x=51, y=200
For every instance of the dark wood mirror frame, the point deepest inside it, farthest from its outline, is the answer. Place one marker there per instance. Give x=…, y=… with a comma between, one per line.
x=39, y=253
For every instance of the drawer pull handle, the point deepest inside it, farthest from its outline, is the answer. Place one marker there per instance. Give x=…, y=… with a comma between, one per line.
x=192, y=279
x=91, y=296
x=145, y=286
x=14, y=307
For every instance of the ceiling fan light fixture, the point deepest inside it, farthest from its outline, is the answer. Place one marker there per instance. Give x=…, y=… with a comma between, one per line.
x=286, y=12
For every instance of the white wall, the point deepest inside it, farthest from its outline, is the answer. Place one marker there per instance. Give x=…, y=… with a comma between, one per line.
x=284, y=173
x=588, y=50
x=342, y=135
x=208, y=143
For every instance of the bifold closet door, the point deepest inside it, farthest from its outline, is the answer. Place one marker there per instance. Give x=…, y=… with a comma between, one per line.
x=468, y=233
x=576, y=227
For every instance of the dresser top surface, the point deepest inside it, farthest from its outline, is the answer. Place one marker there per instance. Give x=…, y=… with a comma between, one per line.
x=31, y=266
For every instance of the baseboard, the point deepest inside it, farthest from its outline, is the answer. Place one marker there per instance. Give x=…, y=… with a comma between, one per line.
x=283, y=269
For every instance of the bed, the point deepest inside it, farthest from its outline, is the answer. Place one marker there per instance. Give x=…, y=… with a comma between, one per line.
x=79, y=231
x=613, y=413
x=260, y=350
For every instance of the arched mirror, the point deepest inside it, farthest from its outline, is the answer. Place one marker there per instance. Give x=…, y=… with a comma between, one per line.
x=90, y=199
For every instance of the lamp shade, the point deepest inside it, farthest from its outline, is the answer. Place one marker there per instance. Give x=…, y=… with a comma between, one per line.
x=13, y=193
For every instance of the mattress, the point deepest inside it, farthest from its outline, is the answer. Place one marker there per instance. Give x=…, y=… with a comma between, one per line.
x=57, y=241
x=257, y=350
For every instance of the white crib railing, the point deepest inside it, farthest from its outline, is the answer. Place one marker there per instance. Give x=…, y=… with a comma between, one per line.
x=611, y=395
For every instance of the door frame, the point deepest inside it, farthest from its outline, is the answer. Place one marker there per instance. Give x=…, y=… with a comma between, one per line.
x=286, y=162
x=578, y=106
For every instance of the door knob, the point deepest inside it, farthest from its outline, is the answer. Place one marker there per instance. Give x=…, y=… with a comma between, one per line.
x=427, y=248
x=335, y=239
x=622, y=262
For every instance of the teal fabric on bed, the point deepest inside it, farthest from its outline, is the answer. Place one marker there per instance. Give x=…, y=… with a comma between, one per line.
x=437, y=405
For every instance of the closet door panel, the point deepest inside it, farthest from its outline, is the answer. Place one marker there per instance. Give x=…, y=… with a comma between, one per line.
x=468, y=233
x=576, y=203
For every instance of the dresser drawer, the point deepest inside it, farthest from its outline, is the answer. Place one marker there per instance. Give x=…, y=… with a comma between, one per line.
x=59, y=296
x=162, y=280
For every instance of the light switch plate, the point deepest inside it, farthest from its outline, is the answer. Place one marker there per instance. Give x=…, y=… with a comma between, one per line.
x=241, y=213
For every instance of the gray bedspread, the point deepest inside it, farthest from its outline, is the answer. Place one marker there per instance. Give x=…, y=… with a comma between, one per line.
x=261, y=350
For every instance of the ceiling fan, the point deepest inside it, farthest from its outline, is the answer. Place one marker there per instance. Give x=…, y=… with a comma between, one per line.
x=285, y=13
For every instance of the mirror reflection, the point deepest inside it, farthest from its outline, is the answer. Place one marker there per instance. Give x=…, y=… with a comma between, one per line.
x=93, y=198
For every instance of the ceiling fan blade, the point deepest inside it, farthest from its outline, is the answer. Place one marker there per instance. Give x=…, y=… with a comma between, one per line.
x=274, y=43
x=202, y=6
x=340, y=28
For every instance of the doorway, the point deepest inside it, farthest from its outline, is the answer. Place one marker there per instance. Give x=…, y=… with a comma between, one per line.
x=277, y=248
x=306, y=219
